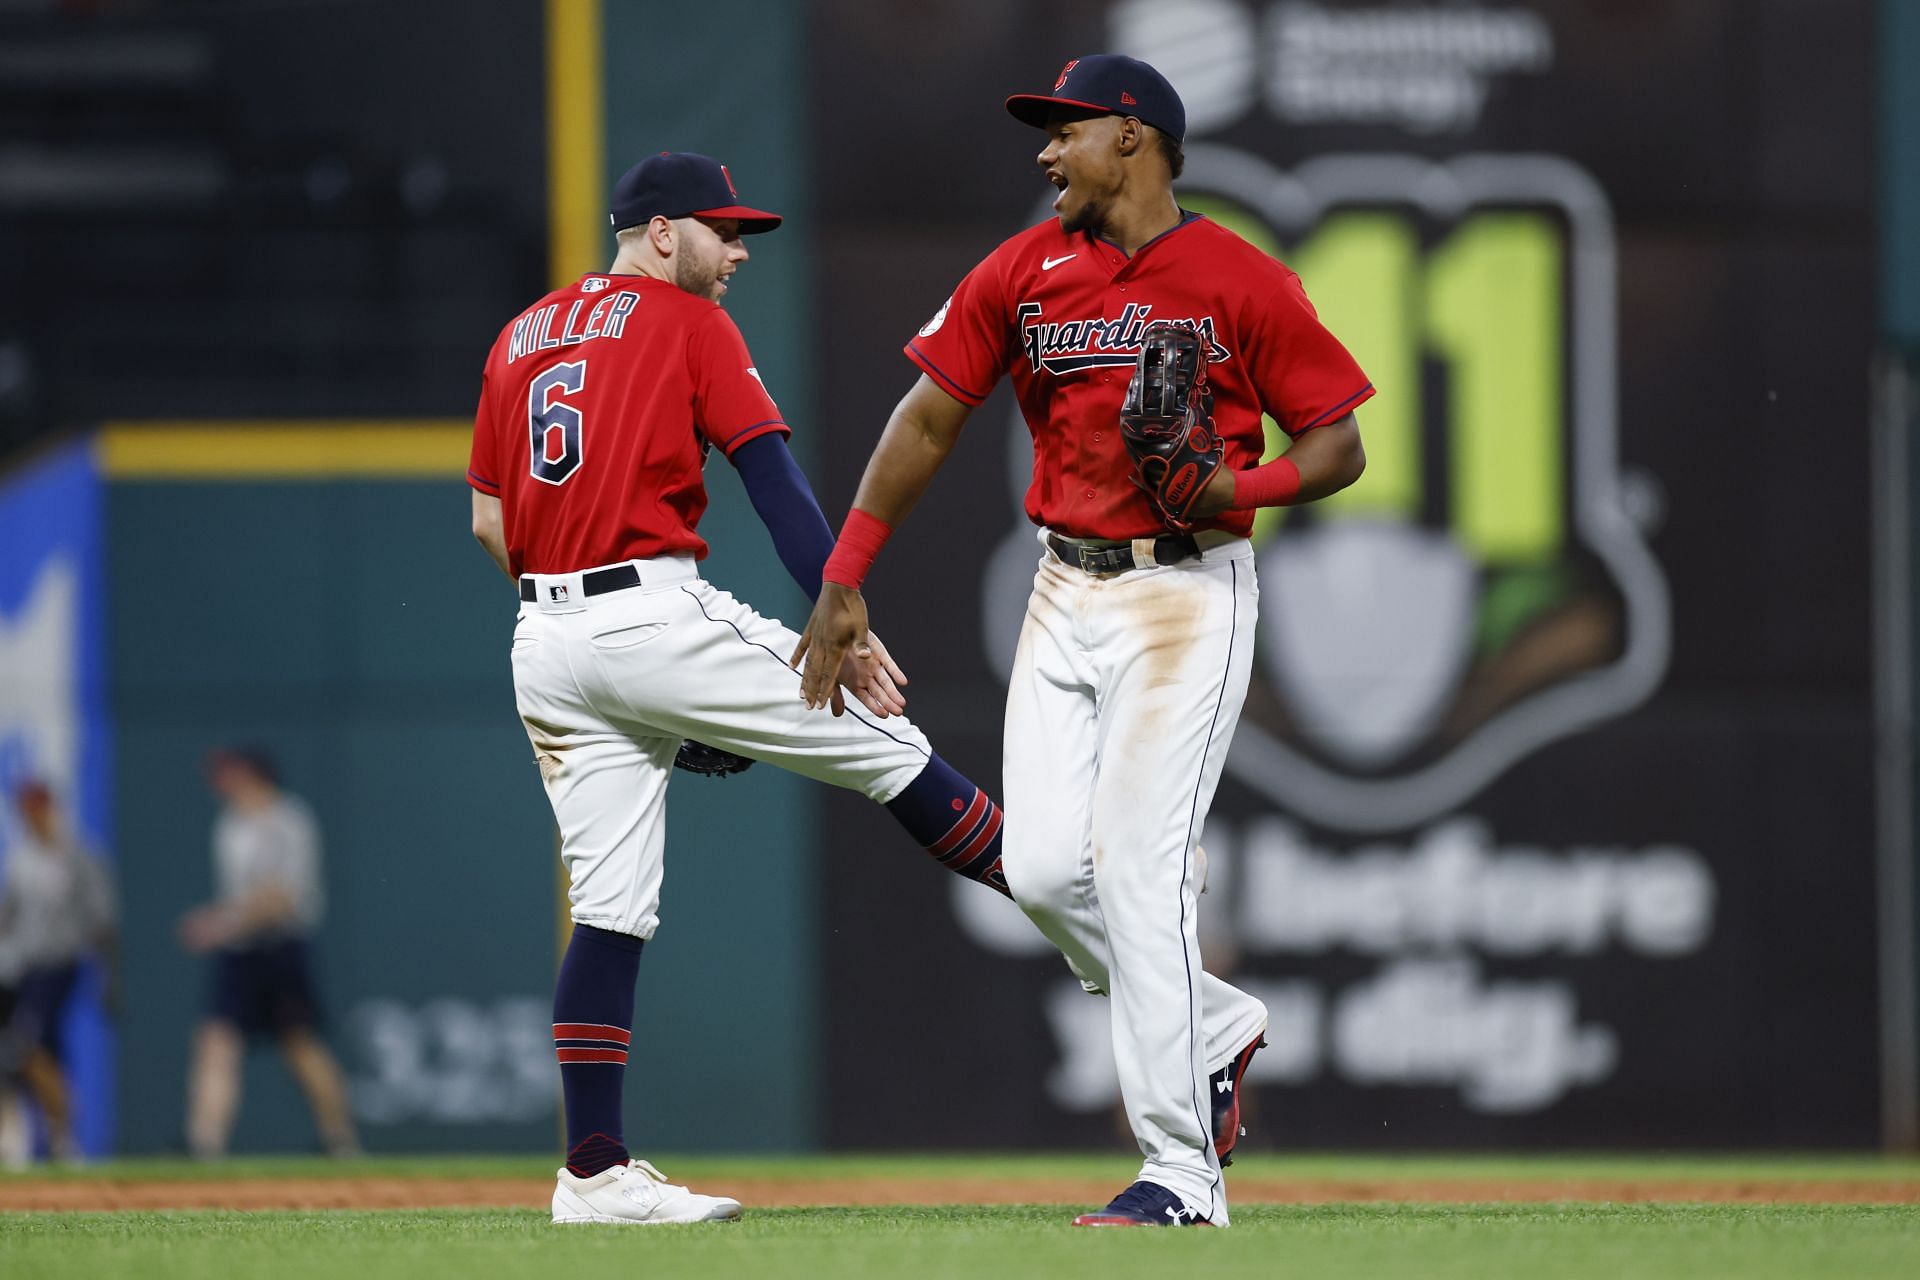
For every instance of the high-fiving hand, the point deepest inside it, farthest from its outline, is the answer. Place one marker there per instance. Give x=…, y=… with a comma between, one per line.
x=841, y=653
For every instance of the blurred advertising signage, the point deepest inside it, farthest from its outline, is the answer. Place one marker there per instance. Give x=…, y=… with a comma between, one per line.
x=48, y=515
x=53, y=720
x=1424, y=68
x=1485, y=591
x=1423, y=910
x=451, y=1060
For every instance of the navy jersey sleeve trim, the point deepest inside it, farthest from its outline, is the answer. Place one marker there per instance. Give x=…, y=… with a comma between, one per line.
x=1338, y=411
x=754, y=432
x=947, y=384
x=483, y=484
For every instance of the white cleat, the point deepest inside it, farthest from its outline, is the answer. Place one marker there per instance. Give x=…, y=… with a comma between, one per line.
x=635, y=1194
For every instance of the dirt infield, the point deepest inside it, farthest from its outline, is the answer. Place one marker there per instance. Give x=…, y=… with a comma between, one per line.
x=110, y=1193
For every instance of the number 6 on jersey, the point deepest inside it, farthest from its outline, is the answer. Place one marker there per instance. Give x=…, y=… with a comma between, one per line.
x=558, y=422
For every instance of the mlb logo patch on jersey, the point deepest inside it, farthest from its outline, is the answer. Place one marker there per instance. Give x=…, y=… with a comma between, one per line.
x=594, y=284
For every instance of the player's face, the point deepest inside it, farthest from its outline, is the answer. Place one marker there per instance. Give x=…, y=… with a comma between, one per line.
x=709, y=252
x=1082, y=160
x=226, y=777
x=36, y=810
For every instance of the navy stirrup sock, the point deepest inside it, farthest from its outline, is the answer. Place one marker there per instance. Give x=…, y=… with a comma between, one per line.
x=955, y=821
x=592, y=1027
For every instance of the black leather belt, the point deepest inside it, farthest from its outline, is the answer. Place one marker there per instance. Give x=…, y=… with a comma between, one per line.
x=1170, y=549
x=597, y=583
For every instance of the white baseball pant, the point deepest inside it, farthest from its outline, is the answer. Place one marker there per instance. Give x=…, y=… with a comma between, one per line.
x=1124, y=696
x=607, y=687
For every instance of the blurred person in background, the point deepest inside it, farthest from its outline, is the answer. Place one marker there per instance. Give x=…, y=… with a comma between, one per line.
x=267, y=905
x=16, y=1135
x=56, y=913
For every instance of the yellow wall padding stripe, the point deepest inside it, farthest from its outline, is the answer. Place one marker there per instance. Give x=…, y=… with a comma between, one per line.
x=576, y=196
x=576, y=142
x=413, y=448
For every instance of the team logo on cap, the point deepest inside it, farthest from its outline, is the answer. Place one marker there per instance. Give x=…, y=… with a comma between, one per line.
x=1061, y=83
x=729, y=177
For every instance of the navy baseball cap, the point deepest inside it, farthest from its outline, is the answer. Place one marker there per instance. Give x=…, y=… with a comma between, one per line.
x=682, y=184
x=1111, y=84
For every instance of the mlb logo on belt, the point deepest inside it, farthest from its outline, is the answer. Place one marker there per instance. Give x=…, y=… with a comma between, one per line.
x=558, y=595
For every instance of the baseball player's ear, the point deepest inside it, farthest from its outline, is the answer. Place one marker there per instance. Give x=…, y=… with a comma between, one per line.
x=660, y=232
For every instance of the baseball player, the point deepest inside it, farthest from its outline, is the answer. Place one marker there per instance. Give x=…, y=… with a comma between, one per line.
x=600, y=406
x=1134, y=657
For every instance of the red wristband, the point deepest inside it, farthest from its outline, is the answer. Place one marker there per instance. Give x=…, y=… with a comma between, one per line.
x=861, y=538
x=1272, y=484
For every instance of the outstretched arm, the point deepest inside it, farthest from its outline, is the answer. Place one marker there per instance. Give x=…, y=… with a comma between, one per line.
x=784, y=501
x=919, y=436
x=921, y=433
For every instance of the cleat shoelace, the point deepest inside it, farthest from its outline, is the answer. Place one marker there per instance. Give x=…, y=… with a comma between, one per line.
x=647, y=1174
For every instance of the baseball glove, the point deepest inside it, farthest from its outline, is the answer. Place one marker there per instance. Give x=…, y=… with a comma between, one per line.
x=1167, y=421
x=709, y=762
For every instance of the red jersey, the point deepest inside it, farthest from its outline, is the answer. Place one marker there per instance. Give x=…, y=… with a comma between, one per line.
x=1064, y=313
x=597, y=411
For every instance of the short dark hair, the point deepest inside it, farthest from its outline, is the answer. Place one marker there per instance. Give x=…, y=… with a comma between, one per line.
x=1170, y=148
x=256, y=760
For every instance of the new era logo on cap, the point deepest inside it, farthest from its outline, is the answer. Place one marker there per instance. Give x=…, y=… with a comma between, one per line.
x=1109, y=83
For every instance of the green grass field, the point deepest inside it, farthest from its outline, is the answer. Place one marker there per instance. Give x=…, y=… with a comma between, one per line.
x=1377, y=1241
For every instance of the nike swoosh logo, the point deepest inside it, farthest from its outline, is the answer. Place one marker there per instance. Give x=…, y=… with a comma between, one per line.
x=1050, y=263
